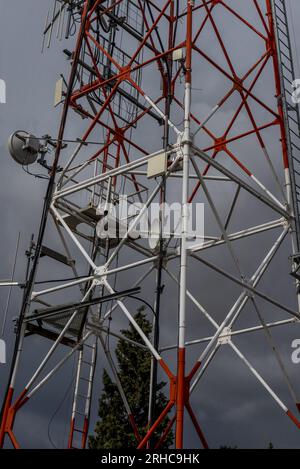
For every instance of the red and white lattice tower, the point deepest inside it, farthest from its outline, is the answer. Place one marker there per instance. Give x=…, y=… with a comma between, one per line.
x=166, y=107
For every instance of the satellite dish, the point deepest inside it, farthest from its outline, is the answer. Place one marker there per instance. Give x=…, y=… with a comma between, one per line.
x=24, y=147
x=153, y=239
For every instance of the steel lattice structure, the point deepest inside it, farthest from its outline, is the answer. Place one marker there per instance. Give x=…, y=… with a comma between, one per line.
x=136, y=72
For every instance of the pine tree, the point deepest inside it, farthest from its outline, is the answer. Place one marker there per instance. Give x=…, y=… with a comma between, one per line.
x=113, y=429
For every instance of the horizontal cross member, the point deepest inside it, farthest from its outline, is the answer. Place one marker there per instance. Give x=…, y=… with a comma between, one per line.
x=57, y=310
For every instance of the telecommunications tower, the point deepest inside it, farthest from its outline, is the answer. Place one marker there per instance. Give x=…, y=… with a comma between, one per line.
x=185, y=102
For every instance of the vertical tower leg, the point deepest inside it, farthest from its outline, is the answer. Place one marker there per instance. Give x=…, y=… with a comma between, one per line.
x=180, y=399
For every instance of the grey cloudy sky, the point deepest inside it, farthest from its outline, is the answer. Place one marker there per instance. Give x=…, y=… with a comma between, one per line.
x=231, y=405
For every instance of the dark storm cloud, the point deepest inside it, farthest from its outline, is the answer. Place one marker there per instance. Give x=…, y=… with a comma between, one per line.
x=235, y=412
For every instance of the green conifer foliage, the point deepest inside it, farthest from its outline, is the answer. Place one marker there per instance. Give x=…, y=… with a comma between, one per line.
x=113, y=429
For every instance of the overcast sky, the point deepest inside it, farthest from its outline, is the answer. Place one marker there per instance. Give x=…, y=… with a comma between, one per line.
x=231, y=405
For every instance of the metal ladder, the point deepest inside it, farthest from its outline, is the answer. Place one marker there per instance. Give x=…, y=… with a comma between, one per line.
x=291, y=111
x=83, y=393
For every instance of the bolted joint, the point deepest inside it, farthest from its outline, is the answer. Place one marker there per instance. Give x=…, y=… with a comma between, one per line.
x=100, y=276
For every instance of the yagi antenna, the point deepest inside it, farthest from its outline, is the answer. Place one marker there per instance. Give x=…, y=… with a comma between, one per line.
x=61, y=9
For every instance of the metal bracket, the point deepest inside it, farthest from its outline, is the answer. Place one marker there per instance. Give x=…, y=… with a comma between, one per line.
x=100, y=277
x=225, y=336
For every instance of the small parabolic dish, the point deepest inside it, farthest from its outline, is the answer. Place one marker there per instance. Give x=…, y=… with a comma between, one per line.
x=23, y=147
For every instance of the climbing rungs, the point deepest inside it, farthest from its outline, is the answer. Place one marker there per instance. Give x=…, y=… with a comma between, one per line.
x=287, y=72
x=80, y=413
x=82, y=395
x=86, y=363
x=86, y=379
